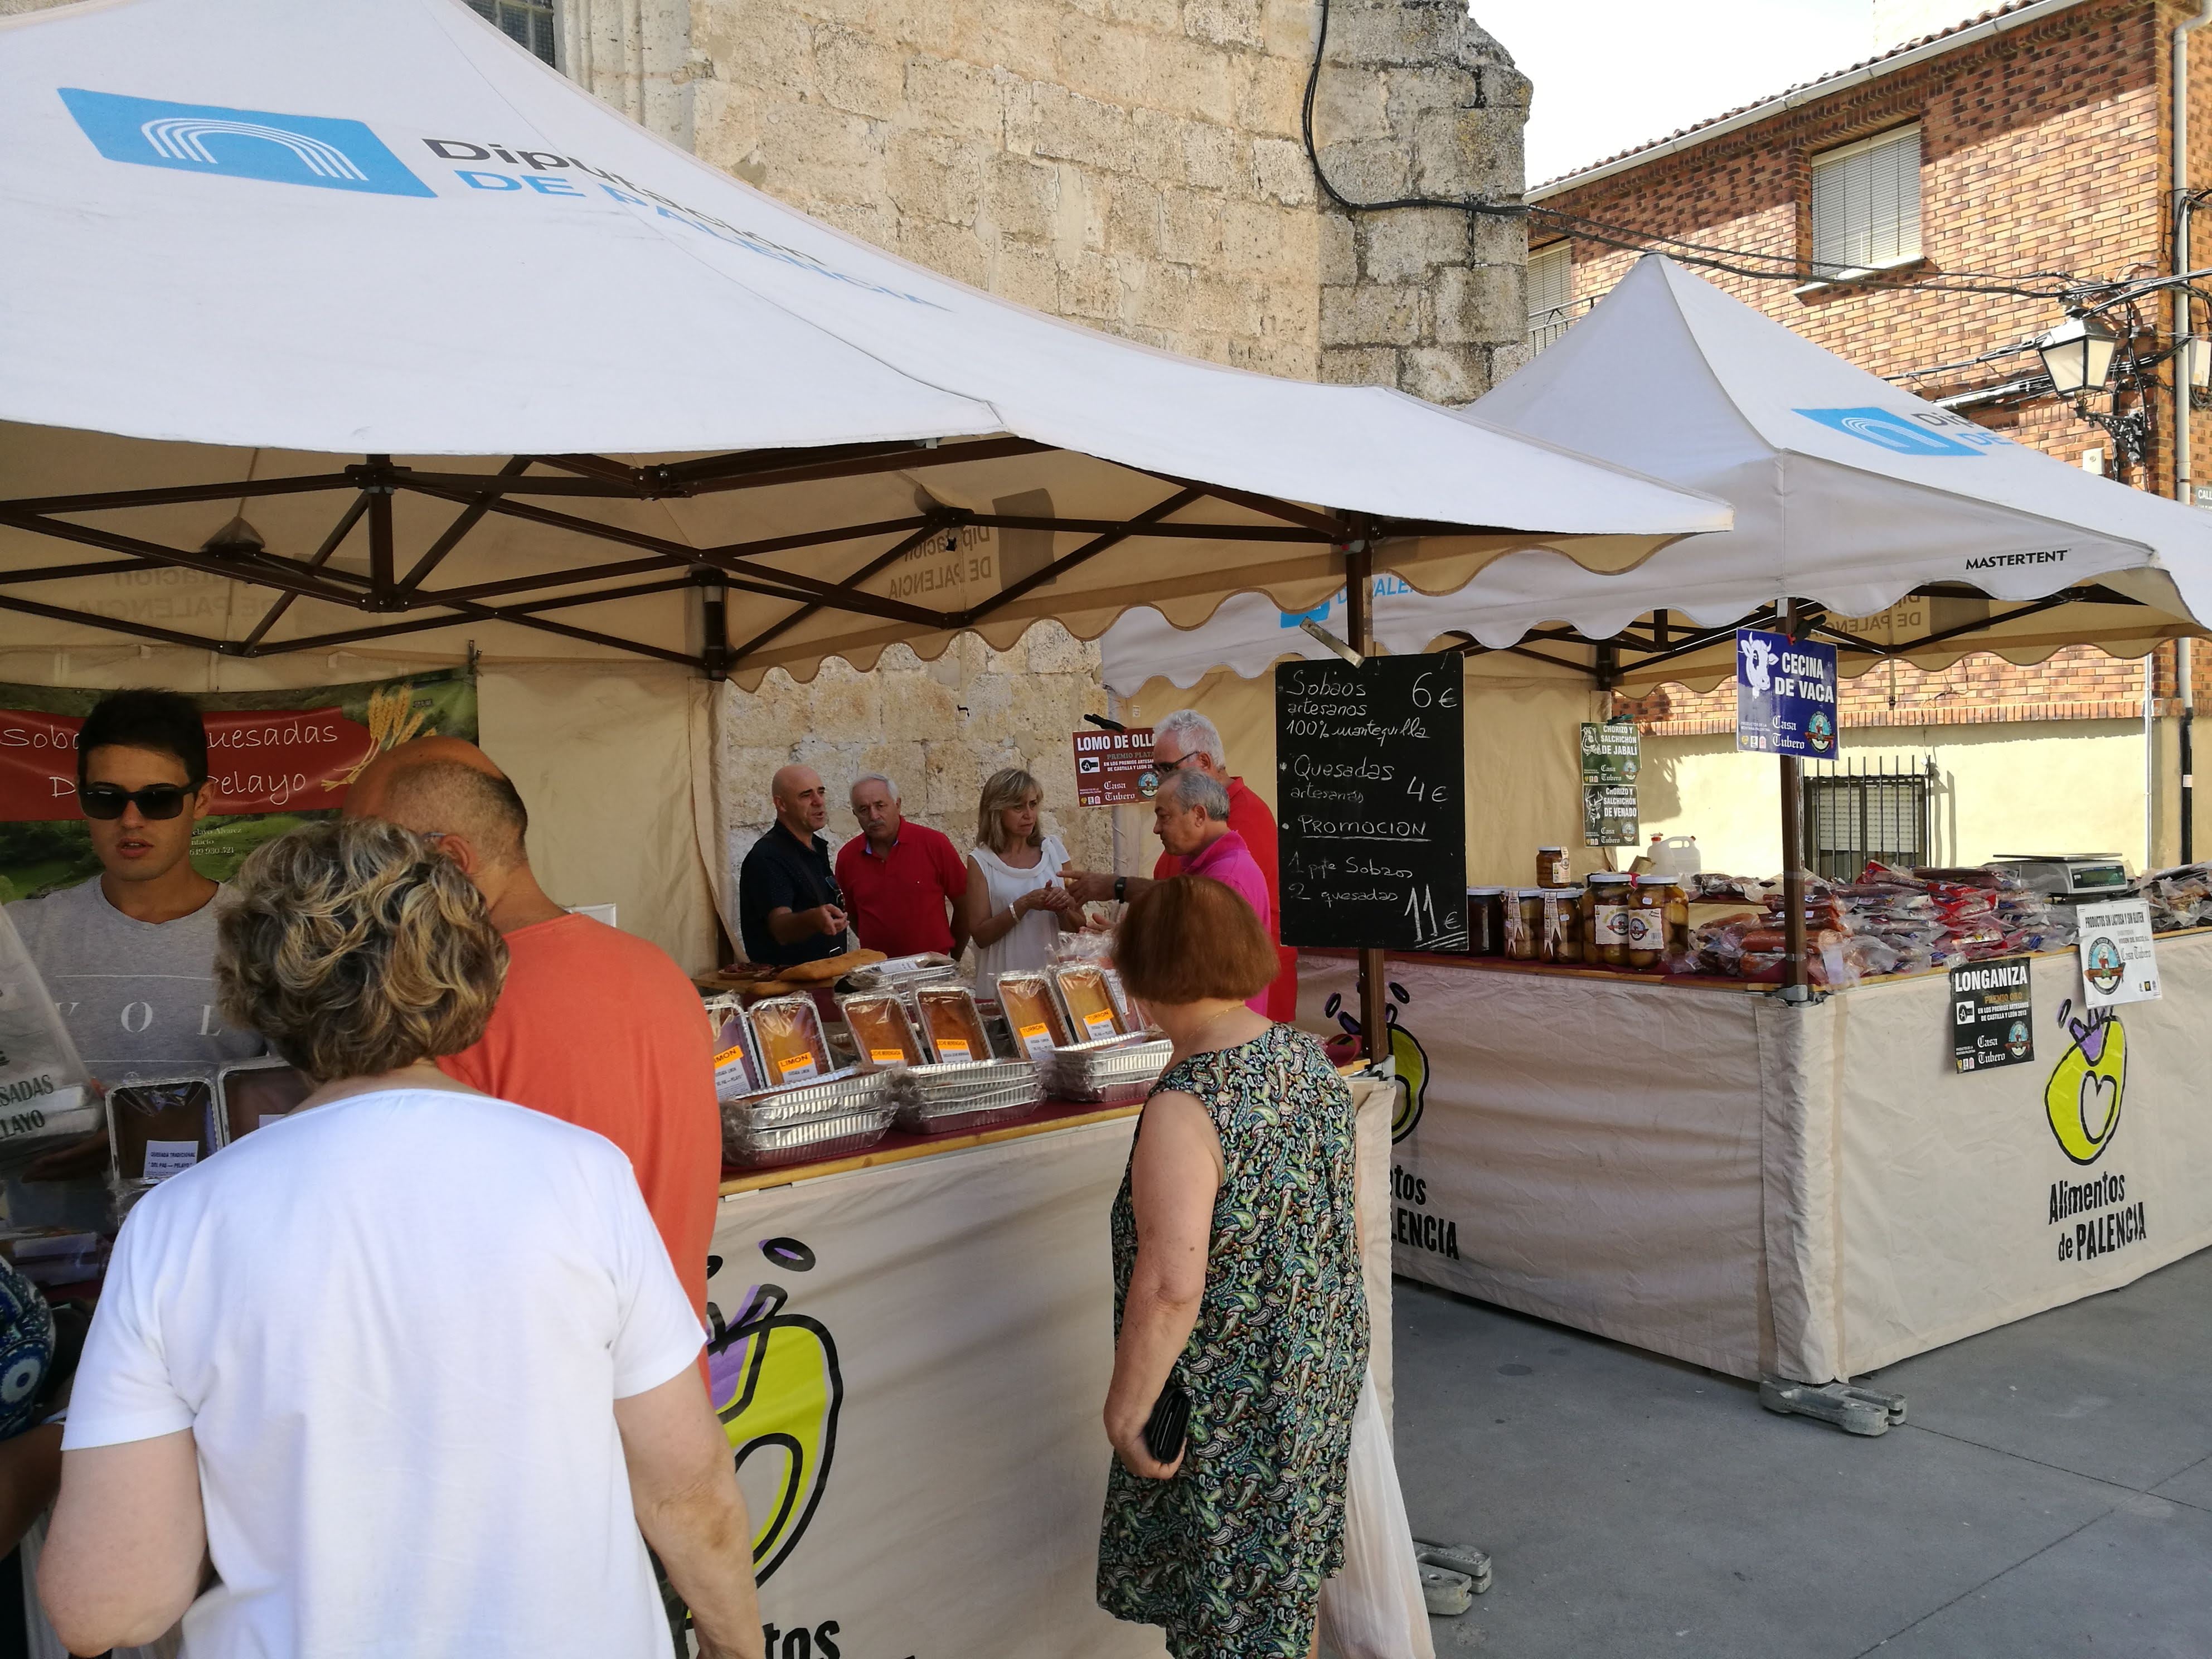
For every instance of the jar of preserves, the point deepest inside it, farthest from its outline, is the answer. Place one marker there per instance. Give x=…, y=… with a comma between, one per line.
x=1605, y=920
x=1562, y=938
x=1551, y=866
x=1647, y=921
x=1524, y=923
x=1485, y=921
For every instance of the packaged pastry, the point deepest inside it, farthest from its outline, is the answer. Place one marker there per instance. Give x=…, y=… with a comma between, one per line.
x=161, y=1125
x=1031, y=1014
x=881, y=1031
x=954, y=1024
x=737, y=1067
x=1089, y=1004
x=788, y=1045
x=254, y=1093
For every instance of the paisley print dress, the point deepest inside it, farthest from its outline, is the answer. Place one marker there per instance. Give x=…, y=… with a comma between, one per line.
x=1230, y=1554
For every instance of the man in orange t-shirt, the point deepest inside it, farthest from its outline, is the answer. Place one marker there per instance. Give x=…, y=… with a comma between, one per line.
x=594, y=1026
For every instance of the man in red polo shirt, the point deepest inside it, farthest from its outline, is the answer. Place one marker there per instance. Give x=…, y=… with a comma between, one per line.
x=901, y=880
x=1186, y=741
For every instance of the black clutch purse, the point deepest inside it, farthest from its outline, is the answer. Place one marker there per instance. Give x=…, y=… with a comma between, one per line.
x=1166, y=1428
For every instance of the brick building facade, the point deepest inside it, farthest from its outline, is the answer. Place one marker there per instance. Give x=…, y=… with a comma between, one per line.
x=2044, y=139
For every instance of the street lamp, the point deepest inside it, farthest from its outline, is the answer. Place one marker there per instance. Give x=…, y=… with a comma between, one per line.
x=2077, y=356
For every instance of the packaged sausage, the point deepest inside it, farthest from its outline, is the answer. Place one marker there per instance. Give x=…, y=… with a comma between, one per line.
x=788, y=1040
x=1031, y=1014
x=251, y=1094
x=1089, y=1004
x=954, y=1025
x=161, y=1125
x=881, y=1031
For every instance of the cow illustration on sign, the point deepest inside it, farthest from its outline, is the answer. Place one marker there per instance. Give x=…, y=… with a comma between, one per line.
x=1411, y=1060
x=2082, y=1098
x=775, y=1383
x=1758, y=662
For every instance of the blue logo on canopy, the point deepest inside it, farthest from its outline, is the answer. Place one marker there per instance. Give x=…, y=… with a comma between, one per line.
x=1902, y=436
x=242, y=143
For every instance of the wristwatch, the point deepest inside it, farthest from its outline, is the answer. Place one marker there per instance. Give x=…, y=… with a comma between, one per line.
x=1121, y=889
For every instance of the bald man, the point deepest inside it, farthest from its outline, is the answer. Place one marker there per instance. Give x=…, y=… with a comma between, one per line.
x=789, y=906
x=594, y=1026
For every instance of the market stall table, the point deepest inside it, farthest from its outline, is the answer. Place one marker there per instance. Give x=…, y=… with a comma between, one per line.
x=912, y=1349
x=1699, y=1170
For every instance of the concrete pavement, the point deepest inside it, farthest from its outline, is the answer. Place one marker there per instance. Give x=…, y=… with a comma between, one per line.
x=2050, y=1494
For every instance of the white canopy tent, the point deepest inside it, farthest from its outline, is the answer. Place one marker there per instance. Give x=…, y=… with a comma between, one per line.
x=1849, y=495
x=235, y=242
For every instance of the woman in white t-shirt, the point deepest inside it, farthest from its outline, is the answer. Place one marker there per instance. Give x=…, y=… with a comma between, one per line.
x=1014, y=899
x=408, y=1367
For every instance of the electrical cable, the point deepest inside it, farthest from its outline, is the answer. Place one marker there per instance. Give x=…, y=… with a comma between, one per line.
x=1704, y=255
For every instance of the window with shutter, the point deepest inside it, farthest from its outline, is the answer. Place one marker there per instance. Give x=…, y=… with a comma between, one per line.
x=1866, y=205
x=527, y=22
x=1551, y=285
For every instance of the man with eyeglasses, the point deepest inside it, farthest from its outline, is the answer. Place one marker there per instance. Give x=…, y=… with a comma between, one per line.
x=1186, y=741
x=129, y=958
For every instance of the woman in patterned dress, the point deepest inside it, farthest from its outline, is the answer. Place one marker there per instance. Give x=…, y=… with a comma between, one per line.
x=1236, y=1277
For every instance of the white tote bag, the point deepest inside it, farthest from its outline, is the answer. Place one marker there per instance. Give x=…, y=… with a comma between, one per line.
x=1374, y=1608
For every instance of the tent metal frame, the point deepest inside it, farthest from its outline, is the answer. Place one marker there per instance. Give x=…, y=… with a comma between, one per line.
x=661, y=565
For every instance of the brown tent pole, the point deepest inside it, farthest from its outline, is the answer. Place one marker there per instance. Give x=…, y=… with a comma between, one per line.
x=1359, y=623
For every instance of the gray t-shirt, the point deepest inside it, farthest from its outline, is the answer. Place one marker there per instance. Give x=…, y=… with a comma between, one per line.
x=135, y=994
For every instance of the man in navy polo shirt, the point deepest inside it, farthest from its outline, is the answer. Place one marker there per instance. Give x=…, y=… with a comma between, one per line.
x=901, y=880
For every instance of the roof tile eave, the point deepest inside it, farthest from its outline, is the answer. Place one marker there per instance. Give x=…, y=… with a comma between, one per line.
x=1696, y=127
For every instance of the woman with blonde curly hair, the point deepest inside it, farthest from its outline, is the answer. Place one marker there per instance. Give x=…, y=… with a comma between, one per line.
x=405, y=1371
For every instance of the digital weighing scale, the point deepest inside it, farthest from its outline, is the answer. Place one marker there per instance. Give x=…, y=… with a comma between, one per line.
x=2067, y=875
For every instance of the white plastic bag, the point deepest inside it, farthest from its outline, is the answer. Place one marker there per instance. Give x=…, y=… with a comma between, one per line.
x=1374, y=1608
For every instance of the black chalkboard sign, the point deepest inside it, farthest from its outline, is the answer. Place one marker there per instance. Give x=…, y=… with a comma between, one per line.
x=1371, y=768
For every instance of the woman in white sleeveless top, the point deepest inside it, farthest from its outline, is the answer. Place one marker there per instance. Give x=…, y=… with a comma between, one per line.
x=1015, y=902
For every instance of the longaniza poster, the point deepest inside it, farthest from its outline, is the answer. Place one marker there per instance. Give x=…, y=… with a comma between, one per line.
x=277, y=759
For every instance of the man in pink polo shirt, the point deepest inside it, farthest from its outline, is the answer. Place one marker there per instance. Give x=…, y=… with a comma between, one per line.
x=1190, y=815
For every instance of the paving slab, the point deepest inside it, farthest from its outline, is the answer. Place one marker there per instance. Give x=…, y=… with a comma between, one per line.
x=1634, y=1506
x=2114, y=1387
x=2135, y=1583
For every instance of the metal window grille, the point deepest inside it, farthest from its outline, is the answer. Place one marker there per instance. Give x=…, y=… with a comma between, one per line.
x=528, y=22
x=1551, y=286
x=1866, y=204
x=1882, y=810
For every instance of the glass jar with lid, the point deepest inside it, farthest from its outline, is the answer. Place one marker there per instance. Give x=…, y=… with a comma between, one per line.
x=1551, y=866
x=1524, y=923
x=1647, y=921
x=1605, y=920
x=1561, y=939
x=1485, y=921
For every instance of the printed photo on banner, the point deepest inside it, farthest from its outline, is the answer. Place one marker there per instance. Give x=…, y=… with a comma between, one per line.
x=276, y=759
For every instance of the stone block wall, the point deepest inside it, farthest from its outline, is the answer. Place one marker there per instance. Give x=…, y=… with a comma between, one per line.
x=1417, y=102
x=1135, y=165
x=937, y=729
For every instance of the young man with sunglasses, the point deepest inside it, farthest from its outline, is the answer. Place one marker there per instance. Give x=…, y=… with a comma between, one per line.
x=129, y=958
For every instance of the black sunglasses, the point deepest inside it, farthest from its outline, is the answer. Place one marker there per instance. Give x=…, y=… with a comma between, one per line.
x=155, y=800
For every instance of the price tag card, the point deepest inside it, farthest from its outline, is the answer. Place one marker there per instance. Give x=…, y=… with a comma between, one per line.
x=888, y=1056
x=799, y=1068
x=952, y=1051
x=1037, y=1042
x=165, y=1158
x=1992, y=1014
x=1099, y=1026
x=2120, y=958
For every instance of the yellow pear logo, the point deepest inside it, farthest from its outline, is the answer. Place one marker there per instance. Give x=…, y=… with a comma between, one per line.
x=776, y=1384
x=1412, y=1060
x=2082, y=1098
